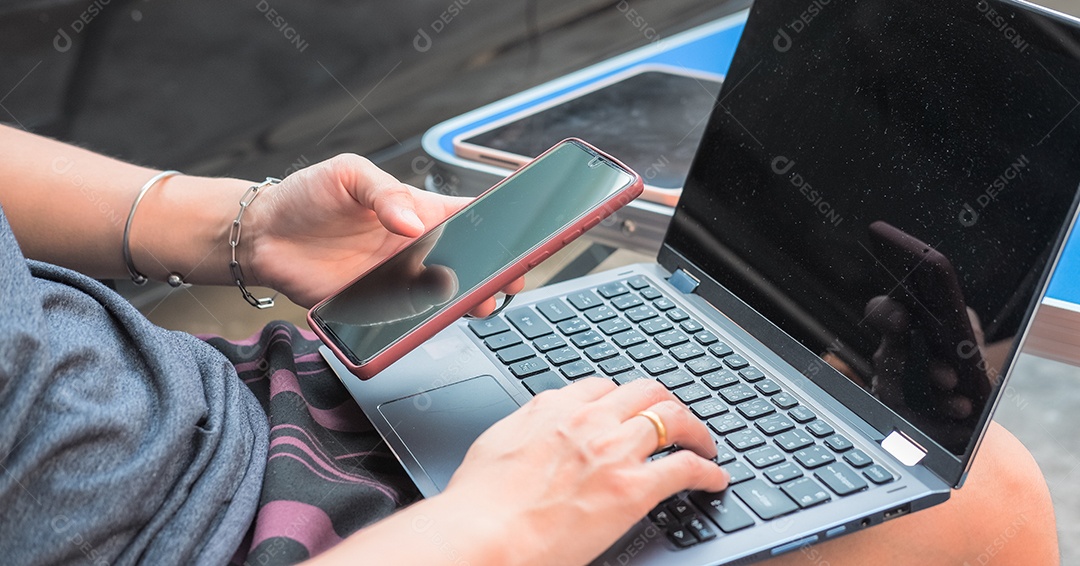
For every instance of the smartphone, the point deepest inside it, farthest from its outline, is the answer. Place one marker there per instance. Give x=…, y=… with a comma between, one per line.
x=930, y=290
x=651, y=117
x=442, y=275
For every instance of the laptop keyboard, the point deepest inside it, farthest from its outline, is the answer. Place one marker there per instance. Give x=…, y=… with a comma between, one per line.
x=781, y=456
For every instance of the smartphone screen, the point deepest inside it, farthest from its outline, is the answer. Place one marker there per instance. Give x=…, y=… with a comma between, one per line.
x=494, y=232
x=652, y=121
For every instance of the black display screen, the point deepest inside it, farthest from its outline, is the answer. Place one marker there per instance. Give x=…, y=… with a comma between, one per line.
x=885, y=180
x=652, y=121
x=495, y=231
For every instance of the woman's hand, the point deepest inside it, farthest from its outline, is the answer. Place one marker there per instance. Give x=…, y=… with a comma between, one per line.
x=556, y=482
x=326, y=224
x=567, y=474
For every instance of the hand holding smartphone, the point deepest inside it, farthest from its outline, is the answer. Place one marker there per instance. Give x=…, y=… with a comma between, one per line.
x=509, y=229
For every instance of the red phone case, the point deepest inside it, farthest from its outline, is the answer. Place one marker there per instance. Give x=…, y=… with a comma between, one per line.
x=555, y=242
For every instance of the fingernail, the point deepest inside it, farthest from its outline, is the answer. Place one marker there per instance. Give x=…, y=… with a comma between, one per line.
x=410, y=217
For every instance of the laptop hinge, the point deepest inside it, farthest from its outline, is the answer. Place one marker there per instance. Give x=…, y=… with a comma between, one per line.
x=683, y=281
x=903, y=448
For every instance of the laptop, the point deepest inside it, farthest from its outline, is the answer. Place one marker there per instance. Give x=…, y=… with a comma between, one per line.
x=878, y=200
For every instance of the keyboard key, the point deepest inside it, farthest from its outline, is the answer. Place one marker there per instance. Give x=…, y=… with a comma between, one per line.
x=548, y=343
x=662, y=517
x=681, y=536
x=785, y=472
x=659, y=365
x=627, y=302
x=613, y=326
x=663, y=304
x=669, y=339
x=838, y=443
x=628, y=376
x=802, y=414
x=649, y=293
x=806, y=492
x=674, y=379
x=583, y=300
x=702, y=366
x=638, y=314
x=615, y=365
x=739, y=472
x=691, y=326
x=628, y=338
x=676, y=315
x=691, y=393
x=656, y=326
x=841, y=479
x=858, y=458
x=750, y=374
x=737, y=393
x=515, y=353
x=637, y=282
x=720, y=350
x=610, y=290
x=878, y=474
x=723, y=509
x=586, y=339
x=572, y=326
x=785, y=400
x=681, y=508
x=687, y=352
x=756, y=408
x=528, y=323
x=708, y=408
x=700, y=528
x=764, y=457
x=720, y=379
x=528, y=367
x=814, y=456
x=704, y=337
x=736, y=362
x=726, y=424
x=601, y=351
x=642, y=352
x=574, y=370
x=820, y=429
x=555, y=310
x=485, y=327
x=793, y=440
x=503, y=340
x=600, y=313
x=767, y=387
x=724, y=454
x=744, y=440
x=773, y=425
x=562, y=356
x=764, y=500
x=543, y=382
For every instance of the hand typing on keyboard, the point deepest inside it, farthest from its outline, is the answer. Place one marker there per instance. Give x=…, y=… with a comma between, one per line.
x=572, y=466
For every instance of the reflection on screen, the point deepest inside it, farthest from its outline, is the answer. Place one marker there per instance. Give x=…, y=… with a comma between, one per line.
x=885, y=183
x=651, y=121
x=498, y=229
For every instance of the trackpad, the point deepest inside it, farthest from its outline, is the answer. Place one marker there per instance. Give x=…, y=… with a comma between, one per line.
x=438, y=426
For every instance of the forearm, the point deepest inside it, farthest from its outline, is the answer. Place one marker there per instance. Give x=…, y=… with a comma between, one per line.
x=436, y=531
x=68, y=206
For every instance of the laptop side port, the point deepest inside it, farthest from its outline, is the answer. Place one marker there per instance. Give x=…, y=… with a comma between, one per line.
x=898, y=512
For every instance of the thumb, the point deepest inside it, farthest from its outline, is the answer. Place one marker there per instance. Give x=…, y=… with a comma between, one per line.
x=891, y=319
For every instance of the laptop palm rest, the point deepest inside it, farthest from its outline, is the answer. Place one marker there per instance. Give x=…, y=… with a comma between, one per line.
x=439, y=425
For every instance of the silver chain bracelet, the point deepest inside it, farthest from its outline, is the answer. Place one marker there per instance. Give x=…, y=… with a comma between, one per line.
x=234, y=240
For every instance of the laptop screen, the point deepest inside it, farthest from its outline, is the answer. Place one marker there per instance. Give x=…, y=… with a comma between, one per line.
x=886, y=181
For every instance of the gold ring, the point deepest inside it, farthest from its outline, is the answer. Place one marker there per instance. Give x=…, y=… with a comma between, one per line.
x=661, y=430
